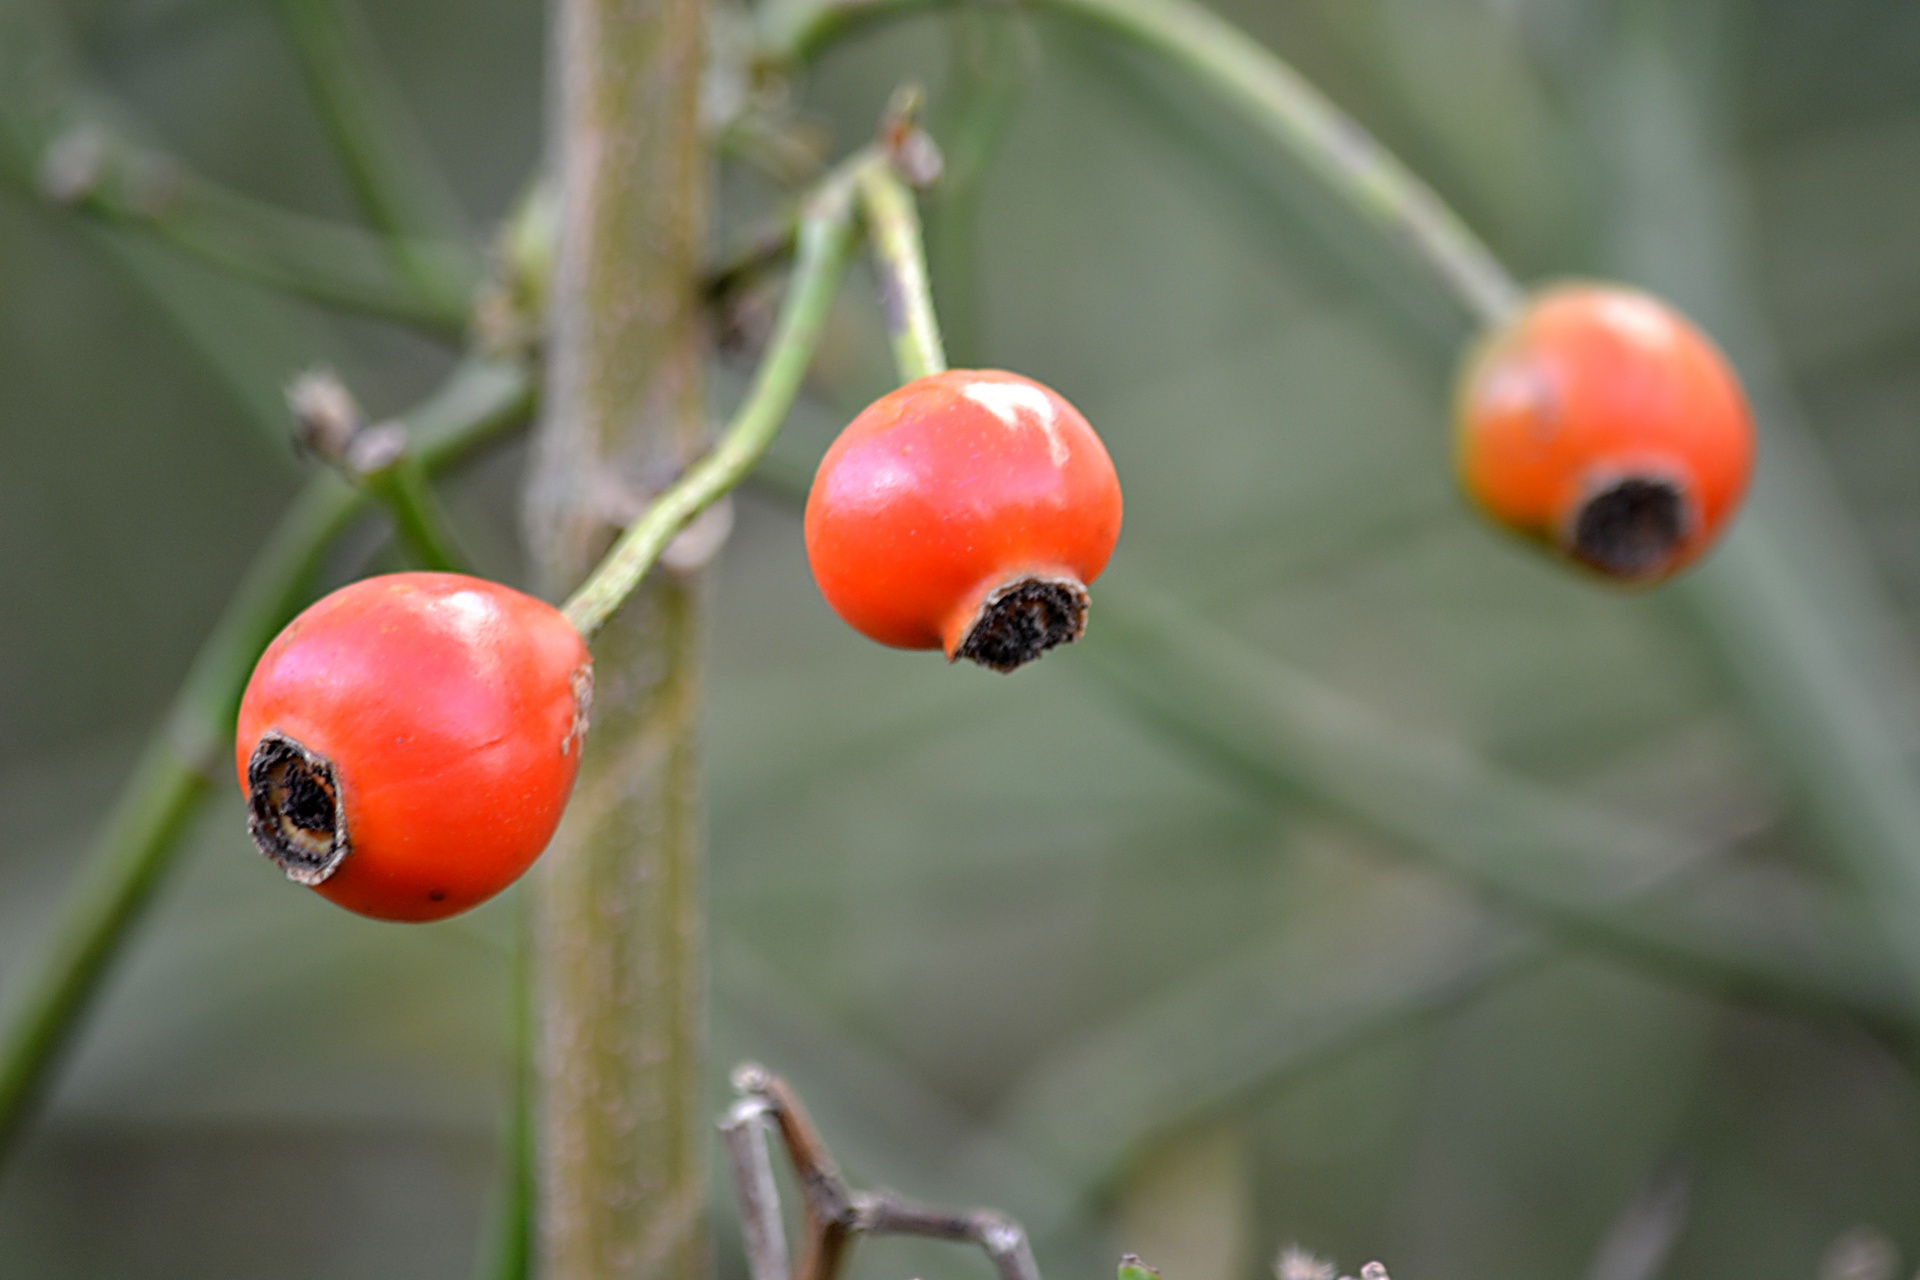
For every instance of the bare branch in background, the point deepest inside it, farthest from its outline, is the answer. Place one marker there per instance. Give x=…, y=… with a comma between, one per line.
x=836, y=1215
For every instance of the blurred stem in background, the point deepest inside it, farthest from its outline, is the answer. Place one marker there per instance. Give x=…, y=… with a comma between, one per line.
x=620, y=941
x=990, y=58
x=1266, y=92
x=1791, y=603
x=1591, y=875
x=389, y=166
x=63, y=142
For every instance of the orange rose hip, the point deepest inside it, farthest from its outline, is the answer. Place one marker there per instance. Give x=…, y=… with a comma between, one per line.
x=1602, y=424
x=966, y=511
x=407, y=744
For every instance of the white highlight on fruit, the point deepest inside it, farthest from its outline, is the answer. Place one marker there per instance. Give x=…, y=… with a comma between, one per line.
x=1019, y=404
x=475, y=619
x=1640, y=320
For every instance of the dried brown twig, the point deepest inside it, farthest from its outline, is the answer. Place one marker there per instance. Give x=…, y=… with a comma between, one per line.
x=835, y=1214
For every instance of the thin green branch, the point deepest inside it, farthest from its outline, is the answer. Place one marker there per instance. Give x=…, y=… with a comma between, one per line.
x=1272, y=97
x=189, y=752
x=389, y=165
x=336, y=266
x=64, y=142
x=824, y=239
x=1810, y=641
x=900, y=259
x=418, y=517
x=1242, y=1029
x=510, y=1256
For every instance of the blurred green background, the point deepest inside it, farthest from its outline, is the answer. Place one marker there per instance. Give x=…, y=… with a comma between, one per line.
x=1017, y=943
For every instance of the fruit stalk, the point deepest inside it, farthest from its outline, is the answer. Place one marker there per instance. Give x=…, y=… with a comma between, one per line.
x=619, y=949
x=900, y=258
x=824, y=238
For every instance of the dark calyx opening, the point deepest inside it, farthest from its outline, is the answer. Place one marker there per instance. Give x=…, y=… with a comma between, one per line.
x=1023, y=620
x=1630, y=528
x=293, y=809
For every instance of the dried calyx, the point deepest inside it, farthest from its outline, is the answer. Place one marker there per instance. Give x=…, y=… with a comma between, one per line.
x=293, y=809
x=1018, y=622
x=1630, y=528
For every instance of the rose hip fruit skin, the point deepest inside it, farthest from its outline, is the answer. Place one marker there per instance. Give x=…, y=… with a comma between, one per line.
x=965, y=511
x=1602, y=424
x=407, y=744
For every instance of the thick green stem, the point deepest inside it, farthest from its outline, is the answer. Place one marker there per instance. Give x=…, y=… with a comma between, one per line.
x=619, y=947
x=388, y=164
x=1272, y=97
x=825, y=233
x=900, y=258
x=188, y=754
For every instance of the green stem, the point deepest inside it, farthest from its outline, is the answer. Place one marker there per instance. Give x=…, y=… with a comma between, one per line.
x=825, y=235
x=511, y=1255
x=125, y=864
x=189, y=752
x=387, y=162
x=336, y=266
x=1270, y=95
x=900, y=258
x=1790, y=601
x=61, y=140
x=418, y=517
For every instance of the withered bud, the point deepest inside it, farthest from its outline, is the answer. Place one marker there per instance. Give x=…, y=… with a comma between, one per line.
x=913, y=153
x=916, y=158
x=326, y=418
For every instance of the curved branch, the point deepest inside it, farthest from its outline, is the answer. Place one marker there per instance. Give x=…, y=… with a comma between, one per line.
x=1249, y=78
